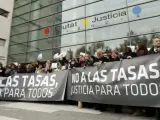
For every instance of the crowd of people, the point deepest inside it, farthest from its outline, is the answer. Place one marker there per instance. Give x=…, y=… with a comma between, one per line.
x=85, y=60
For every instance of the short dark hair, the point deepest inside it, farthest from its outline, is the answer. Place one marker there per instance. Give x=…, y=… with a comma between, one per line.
x=155, y=37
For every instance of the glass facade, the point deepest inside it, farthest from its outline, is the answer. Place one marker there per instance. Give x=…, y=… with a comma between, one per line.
x=74, y=26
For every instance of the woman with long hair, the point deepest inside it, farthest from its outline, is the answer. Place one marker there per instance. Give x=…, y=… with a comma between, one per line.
x=141, y=50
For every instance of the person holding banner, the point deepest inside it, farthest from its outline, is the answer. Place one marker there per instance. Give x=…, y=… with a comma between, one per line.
x=128, y=54
x=30, y=69
x=48, y=68
x=21, y=69
x=100, y=58
x=156, y=46
x=40, y=69
x=154, y=50
x=2, y=70
x=88, y=61
x=141, y=50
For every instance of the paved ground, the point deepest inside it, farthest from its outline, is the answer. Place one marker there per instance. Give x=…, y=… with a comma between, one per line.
x=56, y=111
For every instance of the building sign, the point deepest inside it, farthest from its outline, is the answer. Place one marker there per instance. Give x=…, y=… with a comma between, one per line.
x=105, y=19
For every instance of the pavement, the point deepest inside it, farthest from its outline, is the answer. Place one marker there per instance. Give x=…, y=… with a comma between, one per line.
x=56, y=111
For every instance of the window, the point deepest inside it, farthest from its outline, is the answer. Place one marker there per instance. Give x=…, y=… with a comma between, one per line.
x=145, y=26
x=56, y=42
x=48, y=2
x=20, y=29
x=73, y=26
x=2, y=42
x=46, y=11
x=73, y=39
x=106, y=19
x=19, y=3
x=22, y=10
x=118, y=45
x=46, y=55
x=40, y=45
x=20, y=58
x=104, y=6
x=43, y=34
x=74, y=51
x=34, y=35
x=35, y=5
x=68, y=4
x=147, y=10
x=20, y=19
x=19, y=38
x=73, y=14
x=3, y=12
x=35, y=15
x=134, y=2
x=20, y=48
x=107, y=33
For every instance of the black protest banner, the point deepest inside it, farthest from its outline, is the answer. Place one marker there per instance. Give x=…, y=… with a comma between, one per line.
x=34, y=87
x=134, y=82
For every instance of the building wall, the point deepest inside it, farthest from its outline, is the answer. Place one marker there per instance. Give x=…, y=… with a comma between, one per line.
x=80, y=26
x=5, y=25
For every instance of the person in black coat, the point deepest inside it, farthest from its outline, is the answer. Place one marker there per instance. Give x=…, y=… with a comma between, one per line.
x=2, y=70
x=21, y=69
x=30, y=69
x=115, y=56
x=88, y=60
x=11, y=70
x=154, y=50
x=128, y=54
x=156, y=46
x=100, y=58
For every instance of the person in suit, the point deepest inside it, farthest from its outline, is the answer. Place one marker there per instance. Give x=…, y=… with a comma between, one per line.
x=154, y=50
x=156, y=46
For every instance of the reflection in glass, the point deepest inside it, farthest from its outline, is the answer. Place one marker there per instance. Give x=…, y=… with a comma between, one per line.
x=68, y=4
x=73, y=39
x=107, y=33
x=73, y=14
x=145, y=26
x=107, y=46
x=104, y=6
x=144, y=11
x=135, y=2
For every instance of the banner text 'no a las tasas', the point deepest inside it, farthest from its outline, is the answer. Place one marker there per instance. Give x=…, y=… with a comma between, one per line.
x=129, y=82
